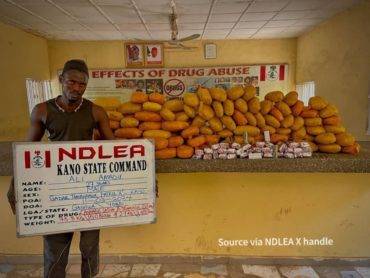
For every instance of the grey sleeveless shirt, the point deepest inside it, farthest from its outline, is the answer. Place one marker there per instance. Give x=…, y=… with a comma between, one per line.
x=70, y=126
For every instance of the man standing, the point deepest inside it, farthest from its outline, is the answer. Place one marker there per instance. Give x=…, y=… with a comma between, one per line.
x=69, y=117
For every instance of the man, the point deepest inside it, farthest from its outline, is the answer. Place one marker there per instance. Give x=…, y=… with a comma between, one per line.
x=69, y=117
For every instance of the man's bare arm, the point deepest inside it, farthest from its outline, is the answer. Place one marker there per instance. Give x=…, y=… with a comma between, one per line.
x=102, y=120
x=38, y=118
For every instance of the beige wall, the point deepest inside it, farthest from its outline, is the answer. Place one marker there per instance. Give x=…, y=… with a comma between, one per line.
x=22, y=56
x=110, y=54
x=336, y=55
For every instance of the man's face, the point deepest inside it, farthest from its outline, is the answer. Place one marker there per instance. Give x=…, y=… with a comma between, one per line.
x=74, y=85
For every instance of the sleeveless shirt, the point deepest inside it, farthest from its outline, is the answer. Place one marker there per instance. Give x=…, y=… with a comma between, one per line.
x=70, y=126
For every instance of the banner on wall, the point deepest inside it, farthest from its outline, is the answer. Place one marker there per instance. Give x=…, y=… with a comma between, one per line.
x=174, y=82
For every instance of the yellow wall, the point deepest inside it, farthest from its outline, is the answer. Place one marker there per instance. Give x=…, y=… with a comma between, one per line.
x=196, y=209
x=336, y=55
x=110, y=54
x=22, y=56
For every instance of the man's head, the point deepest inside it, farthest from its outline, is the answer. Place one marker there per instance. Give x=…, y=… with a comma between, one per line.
x=74, y=79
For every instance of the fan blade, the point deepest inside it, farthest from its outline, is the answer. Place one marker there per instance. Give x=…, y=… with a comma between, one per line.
x=192, y=37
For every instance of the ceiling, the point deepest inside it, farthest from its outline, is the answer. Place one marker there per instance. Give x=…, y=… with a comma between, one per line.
x=149, y=19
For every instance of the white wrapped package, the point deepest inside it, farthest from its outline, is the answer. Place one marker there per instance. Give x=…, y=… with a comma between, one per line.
x=231, y=156
x=222, y=151
x=260, y=144
x=199, y=152
x=246, y=147
x=207, y=156
x=235, y=146
x=207, y=150
x=222, y=156
x=215, y=146
x=224, y=145
x=231, y=150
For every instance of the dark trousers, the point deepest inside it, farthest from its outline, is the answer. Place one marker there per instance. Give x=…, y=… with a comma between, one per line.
x=56, y=250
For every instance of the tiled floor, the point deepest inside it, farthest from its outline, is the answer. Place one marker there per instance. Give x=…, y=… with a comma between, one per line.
x=197, y=271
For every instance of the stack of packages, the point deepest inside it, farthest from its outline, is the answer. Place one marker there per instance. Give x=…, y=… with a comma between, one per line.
x=210, y=116
x=235, y=150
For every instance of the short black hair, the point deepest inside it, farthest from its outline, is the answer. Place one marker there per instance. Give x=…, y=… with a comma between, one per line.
x=76, y=64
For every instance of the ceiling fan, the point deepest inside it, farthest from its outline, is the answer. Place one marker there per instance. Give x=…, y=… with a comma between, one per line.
x=175, y=42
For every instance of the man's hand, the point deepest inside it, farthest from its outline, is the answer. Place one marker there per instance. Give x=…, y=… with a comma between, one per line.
x=156, y=189
x=11, y=196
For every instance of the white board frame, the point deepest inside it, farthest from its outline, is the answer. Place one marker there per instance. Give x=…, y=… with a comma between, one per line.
x=150, y=167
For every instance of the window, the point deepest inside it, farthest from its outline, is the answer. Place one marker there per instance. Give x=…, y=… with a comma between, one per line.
x=37, y=91
x=305, y=91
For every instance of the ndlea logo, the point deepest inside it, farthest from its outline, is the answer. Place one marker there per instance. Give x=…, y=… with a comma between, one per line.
x=36, y=159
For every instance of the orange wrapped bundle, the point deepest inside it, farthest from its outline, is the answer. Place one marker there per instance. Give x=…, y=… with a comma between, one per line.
x=261, y=122
x=114, y=124
x=156, y=133
x=225, y=133
x=277, y=114
x=152, y=106
x=150, y=126
x=167, y=114
x=212, y=139
x=205, y=130
x=297, y=108
x=197, y=141
x=166, y=153
x=309, y=113
x=175, y=105
x=228, y=122
x=129, y=108
x=128, y=132
x=215, y=124
x=139, y=97
x=251, y=119
x=198, y=121
x=160, y=143
x=291, y=98
x=175, y=141
x=266, y=106
x=206, y=111
x=174, y=126
x=184, y=151
x=275, y=96
x=317, y=103
x=254, y=105
x=272, y=121
x=191, y=99
x=333, y=120
x=249, y=92
x=204, y=95
x=129, y=122
x=288, y=121
x=148, y=116
x=114, y=115
x=330, y=148
x=157, y=98
x=275, y=138
x=353, y=149
x=283, y=108
x=190, y=132
x=181, y=116
x=239, y=118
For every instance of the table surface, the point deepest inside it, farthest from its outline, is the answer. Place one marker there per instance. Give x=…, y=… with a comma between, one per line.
x=319, y=162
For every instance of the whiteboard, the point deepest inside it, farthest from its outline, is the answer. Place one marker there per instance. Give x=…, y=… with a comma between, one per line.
x=83, y=185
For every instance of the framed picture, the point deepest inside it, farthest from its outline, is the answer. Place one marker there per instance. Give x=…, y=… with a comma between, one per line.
x=210, y=51
x=134, y=55
x=153, y=55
